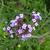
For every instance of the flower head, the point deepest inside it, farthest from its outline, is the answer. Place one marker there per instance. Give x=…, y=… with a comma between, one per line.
x=36, y=15
x=19, y=28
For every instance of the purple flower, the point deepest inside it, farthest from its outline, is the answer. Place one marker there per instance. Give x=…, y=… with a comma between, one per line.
x=30, y=28
x=36, y=15
x=17, y=17
x=20, y=31
x=24, y=26
x=11, y=32
x=26, y=36
x=12, y=24
x=23, y=37
x=34, y=20
x=19, y=20
x=16, y=24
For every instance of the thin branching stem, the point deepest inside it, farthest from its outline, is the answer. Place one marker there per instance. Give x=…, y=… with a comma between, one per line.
x=43, y=35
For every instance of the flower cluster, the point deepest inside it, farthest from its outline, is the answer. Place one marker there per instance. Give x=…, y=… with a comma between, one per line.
x=20, y=29
x=36, y=17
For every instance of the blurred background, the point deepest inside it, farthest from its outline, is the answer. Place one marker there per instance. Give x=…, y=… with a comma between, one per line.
x=10, y=8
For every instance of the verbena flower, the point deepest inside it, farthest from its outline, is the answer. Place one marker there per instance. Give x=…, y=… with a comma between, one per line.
x=20, y=31
x=12, y=24
x=34, y=20
x=26, y=36
x=24, y=26
x=36, y=15
x=19, y=28
x=30, y=28
x=11, y=32
x=17, y=17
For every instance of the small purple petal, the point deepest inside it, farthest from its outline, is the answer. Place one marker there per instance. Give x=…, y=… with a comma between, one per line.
x=16, y=24
x=12, y=24
x=24, y=26
x=34, y=20
x=34, y=14
x=23, y=37
x=17, y=17
x=10, y=31
x=19, y=20
x=36, y=17
x=30, y=28
x=26, y=36
x=20, y=31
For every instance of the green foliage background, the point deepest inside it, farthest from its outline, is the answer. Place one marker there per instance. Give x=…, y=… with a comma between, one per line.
x=8, y=10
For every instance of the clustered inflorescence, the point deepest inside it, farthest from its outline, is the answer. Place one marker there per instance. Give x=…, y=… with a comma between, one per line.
x=20, y=28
